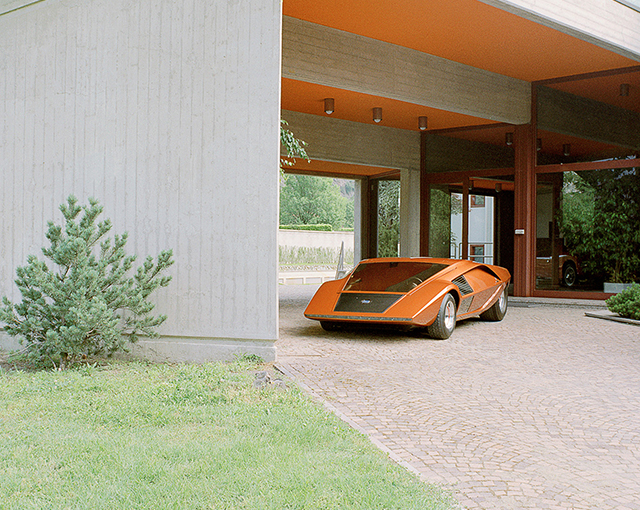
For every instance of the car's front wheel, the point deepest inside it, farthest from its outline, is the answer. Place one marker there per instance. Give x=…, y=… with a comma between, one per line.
x=445, y=322
x=498, y=310
x=569, y=274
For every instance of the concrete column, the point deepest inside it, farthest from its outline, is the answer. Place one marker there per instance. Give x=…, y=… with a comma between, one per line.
x=409, y=213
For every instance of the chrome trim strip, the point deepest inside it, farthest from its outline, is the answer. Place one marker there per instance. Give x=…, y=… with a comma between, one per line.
x=359, y=318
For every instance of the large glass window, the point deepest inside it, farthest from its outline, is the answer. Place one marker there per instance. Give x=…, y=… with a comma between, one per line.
x=588, y=228
x=443, y=207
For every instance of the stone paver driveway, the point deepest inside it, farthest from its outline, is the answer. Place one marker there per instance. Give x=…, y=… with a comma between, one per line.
x=539, y=411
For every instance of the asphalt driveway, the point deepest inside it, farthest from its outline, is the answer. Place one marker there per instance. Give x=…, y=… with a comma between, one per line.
x=539, y=411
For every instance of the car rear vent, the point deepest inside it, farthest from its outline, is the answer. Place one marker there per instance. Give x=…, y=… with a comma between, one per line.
x=463, y=285
x=365, y=302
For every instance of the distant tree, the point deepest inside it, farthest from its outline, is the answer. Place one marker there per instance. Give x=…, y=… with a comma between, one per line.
x=444, y=205
x=311, y=200
x=349, y=214
x=388, y=218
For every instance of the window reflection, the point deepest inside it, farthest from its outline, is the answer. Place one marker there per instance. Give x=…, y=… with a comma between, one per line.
x=588, y=228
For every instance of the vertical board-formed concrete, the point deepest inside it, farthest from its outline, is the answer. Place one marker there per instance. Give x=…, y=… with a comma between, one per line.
x=409, y=213
x=167, y=112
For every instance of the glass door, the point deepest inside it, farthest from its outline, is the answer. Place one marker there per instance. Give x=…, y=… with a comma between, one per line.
x=471, y=218
x=480, y=231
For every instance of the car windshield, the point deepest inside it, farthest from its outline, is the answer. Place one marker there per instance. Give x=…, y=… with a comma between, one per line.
x=394, y=276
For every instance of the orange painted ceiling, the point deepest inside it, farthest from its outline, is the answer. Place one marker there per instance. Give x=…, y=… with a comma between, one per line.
x=318, y=167
x=465, y=31
x=607, y=89
x=309, y=98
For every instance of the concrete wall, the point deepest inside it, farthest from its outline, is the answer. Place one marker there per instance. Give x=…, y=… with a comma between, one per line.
x=605, y=23
x=313, y=239
x=167, y=112
x=573, y=115
x=317, y=54
x=12, y=5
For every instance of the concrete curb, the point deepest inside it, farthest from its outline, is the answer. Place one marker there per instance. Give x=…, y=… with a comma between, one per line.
x=610, y=316
x=530, y=302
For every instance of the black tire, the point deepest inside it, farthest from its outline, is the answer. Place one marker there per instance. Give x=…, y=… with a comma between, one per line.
x=569, y=274
x=445, y=322
x=498, y=310
x=329, y=326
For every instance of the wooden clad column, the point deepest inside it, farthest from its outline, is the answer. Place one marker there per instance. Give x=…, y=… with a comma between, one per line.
x=368, y=218
x=464, y=253
x=373, y=218
x=364, y=218
x=524, y=211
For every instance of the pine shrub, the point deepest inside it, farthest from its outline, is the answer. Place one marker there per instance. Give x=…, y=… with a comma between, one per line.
x=83, y=301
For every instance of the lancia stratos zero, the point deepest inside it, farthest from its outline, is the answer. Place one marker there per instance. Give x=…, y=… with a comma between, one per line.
x=427, y=293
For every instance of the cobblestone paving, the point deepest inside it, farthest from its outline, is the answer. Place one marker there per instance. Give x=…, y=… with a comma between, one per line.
x=539, y=411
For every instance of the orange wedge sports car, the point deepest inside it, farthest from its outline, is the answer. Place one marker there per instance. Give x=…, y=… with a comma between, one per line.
x=411, y=293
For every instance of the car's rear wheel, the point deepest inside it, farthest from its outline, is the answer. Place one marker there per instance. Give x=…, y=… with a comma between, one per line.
x=498, y=310
x=329, y=326
x=445, y=321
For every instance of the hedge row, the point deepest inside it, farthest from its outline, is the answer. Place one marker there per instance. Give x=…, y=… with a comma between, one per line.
x=323, y=227
x=320, y=227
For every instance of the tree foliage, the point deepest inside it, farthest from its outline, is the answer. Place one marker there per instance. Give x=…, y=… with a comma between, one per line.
x=293, y=147
x=601, y=221
x=311, y=200
x=444, y=205
x=388, y=218
x=82, y=301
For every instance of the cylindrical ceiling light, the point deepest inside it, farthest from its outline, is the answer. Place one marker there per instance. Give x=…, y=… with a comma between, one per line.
x=508, y=138
x=329, y=105
x=377, y=115
x=624, y=89
x=422, y=123
x=539, y=144
x=566, y=149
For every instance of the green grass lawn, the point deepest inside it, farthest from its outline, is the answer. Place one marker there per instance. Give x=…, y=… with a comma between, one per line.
x=133, y=435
